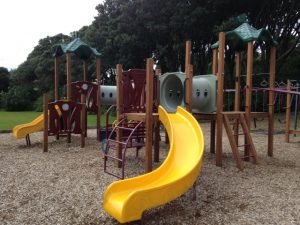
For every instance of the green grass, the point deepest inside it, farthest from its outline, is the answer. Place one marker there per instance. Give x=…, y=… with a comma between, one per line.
x=10, y=119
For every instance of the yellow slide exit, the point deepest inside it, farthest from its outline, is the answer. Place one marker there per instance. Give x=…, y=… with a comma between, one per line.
x=125, y=200
x=20, y=131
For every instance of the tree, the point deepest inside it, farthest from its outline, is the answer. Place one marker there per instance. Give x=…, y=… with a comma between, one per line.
x=4, y=79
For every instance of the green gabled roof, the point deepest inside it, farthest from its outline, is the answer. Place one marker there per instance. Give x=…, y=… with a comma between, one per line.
x=78, y=47
x=240, y=36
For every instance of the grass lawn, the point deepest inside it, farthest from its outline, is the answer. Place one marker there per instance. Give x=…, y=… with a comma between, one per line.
x=10, y=119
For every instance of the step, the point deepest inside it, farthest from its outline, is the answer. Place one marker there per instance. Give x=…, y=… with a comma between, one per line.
x=115, y=141
x=112, y=157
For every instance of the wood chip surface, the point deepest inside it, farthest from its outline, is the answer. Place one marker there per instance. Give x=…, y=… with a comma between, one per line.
x=66, y=185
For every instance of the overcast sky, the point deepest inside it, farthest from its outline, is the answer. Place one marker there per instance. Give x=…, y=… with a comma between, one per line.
x=24, y=22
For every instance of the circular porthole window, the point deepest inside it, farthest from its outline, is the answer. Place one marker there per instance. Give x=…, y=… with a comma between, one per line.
x=65, y=107
x=84, y=87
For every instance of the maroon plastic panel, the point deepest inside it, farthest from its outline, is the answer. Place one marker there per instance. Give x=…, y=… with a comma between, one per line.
x=62, y=113
x=134, y=82
x=134, y=92
x=90, y=90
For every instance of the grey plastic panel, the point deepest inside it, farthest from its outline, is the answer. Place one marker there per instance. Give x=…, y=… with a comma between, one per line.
x=108, y=95
x=172, y=90
x=203, y=93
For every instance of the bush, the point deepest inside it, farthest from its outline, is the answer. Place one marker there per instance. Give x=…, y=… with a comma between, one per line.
x=18, y=98
x=38, y=104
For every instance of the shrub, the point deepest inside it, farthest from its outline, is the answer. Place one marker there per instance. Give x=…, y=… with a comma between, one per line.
x=18, y=98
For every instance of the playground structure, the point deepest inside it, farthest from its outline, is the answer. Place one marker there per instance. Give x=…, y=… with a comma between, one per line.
x=136, y=117
x=241, y=38
x=64, y=117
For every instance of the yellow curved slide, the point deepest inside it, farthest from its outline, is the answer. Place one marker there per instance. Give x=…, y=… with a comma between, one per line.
x=20, y=131
x=125, y=200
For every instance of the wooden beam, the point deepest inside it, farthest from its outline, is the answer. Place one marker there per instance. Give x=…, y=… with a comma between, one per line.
x=149, y=117
x=233, y=144
x=98, y=74
x=294, y=132
x=69, y=80
x=189, y=88
x=249, y=139
x=205, y=116
x=237, y=95
x=56, y=78
x=157, y=123
x=249, y=82
x=212, y=118
x=271, y=100
x=119, y=101
x=237, y=81
x=248, y=93
x=188, y=50
x=140, y=116
x=288, y=113
x=220, y=99
x=83, y=121
x=259, y=115
x=45, y=132
x=215, y=61
x=213, y=136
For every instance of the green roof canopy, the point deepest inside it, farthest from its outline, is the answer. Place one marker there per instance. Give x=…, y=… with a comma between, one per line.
x=78, y=47
x=240, y=36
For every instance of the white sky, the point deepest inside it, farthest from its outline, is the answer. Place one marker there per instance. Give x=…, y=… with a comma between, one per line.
x=24, y=22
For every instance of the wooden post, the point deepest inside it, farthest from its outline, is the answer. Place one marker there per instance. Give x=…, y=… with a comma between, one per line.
x=189, y=88
x=68, y=57
x=215, y=61
x=188, y=49
x=82, y=121
x=213, y=121
x=213, y=136
x=288, y=113
x=45, y=132
x=85, y=70
x=98, y=74
x=119, y=101
x=248, y=94
x=271, y=100
x=56, y=78
x=157, y=123
x=220, y=99
x=149, y=116
x=237, y=96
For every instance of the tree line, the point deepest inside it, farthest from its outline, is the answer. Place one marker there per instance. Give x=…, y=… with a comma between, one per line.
x=128, y=32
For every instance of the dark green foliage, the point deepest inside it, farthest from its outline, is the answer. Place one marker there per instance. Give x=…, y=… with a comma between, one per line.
x=4, y=79
x=18, y=98
x=291, y=68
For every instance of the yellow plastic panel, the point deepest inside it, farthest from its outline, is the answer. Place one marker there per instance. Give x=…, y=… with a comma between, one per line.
x=125, y=200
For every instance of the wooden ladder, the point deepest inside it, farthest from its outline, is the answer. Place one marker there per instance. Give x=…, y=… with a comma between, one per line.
x=233, y=140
